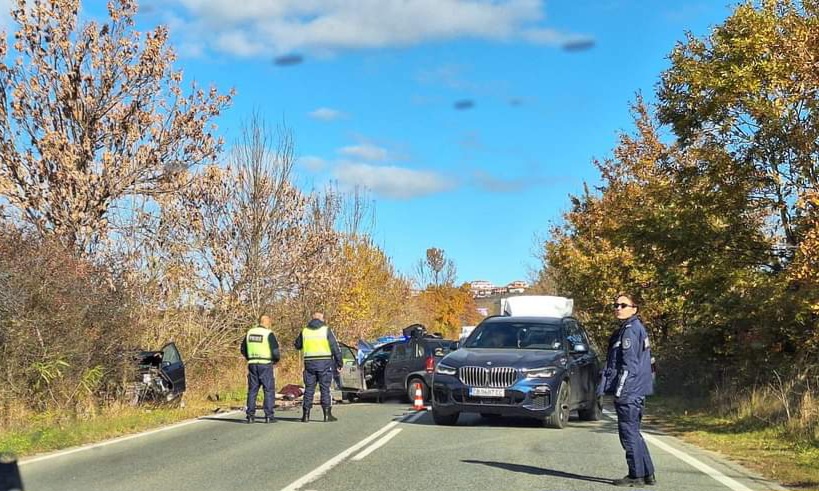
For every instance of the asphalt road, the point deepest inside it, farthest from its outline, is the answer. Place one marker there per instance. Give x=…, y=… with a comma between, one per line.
x=376, y=447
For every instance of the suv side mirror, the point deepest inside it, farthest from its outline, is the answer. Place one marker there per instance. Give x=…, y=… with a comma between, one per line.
x=580, y=349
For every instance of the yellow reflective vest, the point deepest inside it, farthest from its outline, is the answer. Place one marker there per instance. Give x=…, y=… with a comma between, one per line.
x=315, y=344
x=258, y=346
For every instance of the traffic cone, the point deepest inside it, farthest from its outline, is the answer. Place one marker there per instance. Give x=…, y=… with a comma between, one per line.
x=418, y=403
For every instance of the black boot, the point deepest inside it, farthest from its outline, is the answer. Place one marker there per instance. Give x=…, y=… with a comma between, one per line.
x=328, y=414
x=305, y=415
x=270, y=419
x=251, y=419
x=650, y=480
x=628, y=481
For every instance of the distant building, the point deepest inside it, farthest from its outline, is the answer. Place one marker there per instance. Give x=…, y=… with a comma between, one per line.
x=481, y=288
x=517, y=286
x=484, y=289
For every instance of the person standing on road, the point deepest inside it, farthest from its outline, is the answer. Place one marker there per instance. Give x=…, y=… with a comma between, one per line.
x=261, y=350
x=322, y=358
x=628, y=378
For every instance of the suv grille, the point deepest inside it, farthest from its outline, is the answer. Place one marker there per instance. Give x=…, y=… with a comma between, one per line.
x=497, y=377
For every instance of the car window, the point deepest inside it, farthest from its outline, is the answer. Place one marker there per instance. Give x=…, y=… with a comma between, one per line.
x=401, y=352
x=170, y=354
x=516, y=335
x=574, y=335
x=347, y=353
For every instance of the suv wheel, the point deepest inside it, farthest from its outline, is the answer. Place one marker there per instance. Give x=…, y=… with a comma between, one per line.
x=444, y=419
x=411, y=389
x=593, y=412
x=560, y=416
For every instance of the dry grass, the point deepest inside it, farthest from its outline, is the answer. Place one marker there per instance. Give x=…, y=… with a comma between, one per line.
x=752, y=429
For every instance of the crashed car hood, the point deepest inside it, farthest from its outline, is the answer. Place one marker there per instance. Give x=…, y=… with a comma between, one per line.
x=516, y=358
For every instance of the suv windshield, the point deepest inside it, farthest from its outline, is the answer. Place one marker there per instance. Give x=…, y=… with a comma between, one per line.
x=516, y=335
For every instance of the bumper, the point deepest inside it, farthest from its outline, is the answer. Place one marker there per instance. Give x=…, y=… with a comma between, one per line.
x=530, y=398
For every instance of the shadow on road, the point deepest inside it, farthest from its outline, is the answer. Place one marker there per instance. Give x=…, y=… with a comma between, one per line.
x=258, y=420
x=538, y=471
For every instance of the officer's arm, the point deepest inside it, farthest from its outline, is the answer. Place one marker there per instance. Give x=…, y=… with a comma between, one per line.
x=298, y=343
x=334, y=348
x=274, y=348
x=630, y=346
x=243, y=349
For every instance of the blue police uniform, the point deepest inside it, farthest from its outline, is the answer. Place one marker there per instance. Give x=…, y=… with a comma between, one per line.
x=322, y=357
x=261, y=350
x=628, y=378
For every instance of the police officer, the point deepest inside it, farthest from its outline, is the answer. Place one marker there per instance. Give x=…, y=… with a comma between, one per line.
x=628, y=378
x=322, y=358
x=261, y=350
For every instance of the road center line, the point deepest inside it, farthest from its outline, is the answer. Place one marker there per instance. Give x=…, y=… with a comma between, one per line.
x=701, y=466
x=325, y=467
x=322, y=469
x=375, y=446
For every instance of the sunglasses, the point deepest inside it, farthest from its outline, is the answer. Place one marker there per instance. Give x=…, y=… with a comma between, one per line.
x=622, y=305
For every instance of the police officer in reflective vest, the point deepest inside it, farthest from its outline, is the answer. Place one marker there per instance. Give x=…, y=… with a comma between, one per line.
x=322, y=358
x=628, y=378
x=261, y=350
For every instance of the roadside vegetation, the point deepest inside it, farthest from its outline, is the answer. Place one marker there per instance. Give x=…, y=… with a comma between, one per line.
x=709, y=210
x=126, y=222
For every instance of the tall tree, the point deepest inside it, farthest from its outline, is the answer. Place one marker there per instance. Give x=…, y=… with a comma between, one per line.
x=435, y=269
x=91, y=115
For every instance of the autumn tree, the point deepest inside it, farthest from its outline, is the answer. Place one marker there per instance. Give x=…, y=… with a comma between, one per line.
x=92, y=114
x=750, y=87
x=244, y=232
x=435, y=269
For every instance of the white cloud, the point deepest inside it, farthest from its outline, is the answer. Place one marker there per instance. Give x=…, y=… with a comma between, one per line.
x=391, y=182
x=312, y=163
x=326, y=114
x=365, y=151
x=266, y=27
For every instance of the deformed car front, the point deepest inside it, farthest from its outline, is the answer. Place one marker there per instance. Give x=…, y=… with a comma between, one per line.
x=519, y=366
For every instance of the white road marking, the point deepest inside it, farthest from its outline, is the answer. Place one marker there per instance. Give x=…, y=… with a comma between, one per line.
x=325, y=467
x=702, y=467
x=118, y=440
x=375, y=446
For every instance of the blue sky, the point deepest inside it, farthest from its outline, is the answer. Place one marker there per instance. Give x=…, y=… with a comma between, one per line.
x=373, y=103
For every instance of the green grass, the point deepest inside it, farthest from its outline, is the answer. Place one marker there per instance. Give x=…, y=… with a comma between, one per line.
x=769, y=450
x=50, y=432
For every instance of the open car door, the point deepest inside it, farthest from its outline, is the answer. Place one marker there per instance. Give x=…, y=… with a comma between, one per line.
x=173, y=369
x=352, y=377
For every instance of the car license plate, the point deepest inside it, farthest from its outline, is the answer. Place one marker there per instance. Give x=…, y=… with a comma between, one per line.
x=484, y=392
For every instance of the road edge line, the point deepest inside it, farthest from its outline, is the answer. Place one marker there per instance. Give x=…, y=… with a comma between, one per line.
x=706, y=469
x=120, y=439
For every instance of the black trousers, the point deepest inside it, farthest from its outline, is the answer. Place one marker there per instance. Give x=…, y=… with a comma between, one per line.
x=260, y=374
x=321, y=372
x=629, y=417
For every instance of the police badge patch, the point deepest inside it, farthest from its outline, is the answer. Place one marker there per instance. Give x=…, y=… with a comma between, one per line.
x=626, y=343
x=255, y=338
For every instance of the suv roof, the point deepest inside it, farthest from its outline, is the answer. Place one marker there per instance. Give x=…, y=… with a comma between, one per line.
x=512, y=318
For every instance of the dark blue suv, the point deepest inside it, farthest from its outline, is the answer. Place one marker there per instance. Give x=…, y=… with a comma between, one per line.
x=537, y=367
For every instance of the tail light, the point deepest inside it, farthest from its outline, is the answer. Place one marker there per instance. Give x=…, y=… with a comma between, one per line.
x=430, y=364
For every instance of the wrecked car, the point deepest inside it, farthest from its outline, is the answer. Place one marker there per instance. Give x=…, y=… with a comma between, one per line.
x=394, y=368
x=159, y=376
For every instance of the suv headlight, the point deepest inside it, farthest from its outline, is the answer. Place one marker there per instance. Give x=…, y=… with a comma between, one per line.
x=543, y=372
x=442, y=369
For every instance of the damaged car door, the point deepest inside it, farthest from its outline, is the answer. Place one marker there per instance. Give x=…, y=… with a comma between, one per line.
x=173, y=369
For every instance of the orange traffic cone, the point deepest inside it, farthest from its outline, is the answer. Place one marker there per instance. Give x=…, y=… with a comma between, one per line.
x=418, y=403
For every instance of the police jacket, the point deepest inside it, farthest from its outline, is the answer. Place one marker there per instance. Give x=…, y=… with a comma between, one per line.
x=627, y=375
x=274, y=348
x=335, y=352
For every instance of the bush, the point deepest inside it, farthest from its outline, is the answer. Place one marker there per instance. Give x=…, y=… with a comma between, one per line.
x=64, y=327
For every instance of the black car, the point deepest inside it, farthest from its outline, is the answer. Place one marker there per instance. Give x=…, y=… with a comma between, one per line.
x=538, y=367
x=159, y=376
x=394, y=368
